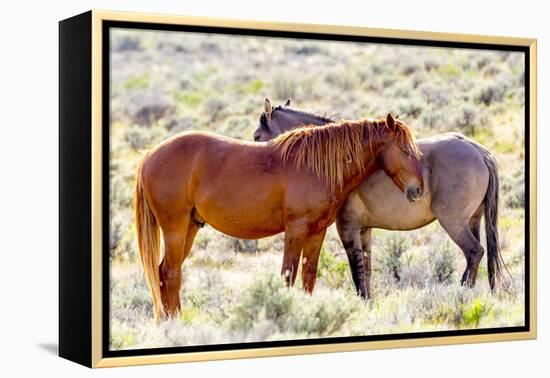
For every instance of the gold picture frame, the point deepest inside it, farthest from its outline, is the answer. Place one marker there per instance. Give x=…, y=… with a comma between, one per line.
x=82, y=263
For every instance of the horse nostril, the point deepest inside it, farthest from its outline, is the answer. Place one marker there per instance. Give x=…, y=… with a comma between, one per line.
x=419, y=191
x=256, y=138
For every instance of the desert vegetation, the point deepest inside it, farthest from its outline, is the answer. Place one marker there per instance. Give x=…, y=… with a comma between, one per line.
x=163, y=83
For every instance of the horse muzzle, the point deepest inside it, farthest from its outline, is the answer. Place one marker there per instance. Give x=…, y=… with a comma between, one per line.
x=414, y=194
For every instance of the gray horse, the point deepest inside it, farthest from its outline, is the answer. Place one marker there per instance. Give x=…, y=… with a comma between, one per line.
x=460, y=186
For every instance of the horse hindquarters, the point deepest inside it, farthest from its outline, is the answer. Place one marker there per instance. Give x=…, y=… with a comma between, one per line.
x=158, y=207
x=461, y=221
x=478, y=175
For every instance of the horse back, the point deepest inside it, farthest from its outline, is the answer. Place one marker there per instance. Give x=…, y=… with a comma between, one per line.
x=455, y=179
x=194, y=156
x=452, y=155
x=219, y=176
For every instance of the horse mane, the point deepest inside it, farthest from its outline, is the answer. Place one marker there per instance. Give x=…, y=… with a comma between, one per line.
x=321, y=116
x=329, y=150
x=318, y=116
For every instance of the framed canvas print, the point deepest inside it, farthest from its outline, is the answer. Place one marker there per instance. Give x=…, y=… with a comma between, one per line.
x=235, y=189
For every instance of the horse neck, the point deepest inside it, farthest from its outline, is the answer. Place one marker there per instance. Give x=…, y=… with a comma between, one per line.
x=355, y=175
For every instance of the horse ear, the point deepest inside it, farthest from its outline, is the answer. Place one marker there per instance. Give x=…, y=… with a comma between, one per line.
x=267, y=106
x=287, y=103
x=390, y=122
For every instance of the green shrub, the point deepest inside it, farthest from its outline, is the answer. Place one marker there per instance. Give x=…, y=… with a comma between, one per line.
x=284, y=86
x=267, y=298
x=332, y=271
x=410, y=68
x=325, y=316
x=141, y=138
x=137, y=82
x=117, y=230
x=491, y=92
x=238, y=127
x=126, y=43
x=513, y=190
x=473, y=313
x=255, y=86
x=244, y=246
x=122, y=337
x=442, y=264
x=146, y=107
x=431, y=63
x=411, y=107
x=212, y=108
x=466, y=117
x=394, y=246
x=181, y=124
x=191, y=99
x=482, y=60
x=304, y=49
x=291, y=310
x=449, y=70
x=341, y=78
x=432, y=119
x=121, y=191
x=434, y=94
x=402, y=89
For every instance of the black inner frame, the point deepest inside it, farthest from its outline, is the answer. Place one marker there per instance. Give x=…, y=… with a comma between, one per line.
x=106, y=25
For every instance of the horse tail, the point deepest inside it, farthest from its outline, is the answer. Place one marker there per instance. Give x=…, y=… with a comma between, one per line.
x=148, y=236
x=495, y=263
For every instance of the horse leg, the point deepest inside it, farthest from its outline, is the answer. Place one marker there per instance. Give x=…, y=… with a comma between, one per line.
x=178, y=240
x=462, y=235
x=366, y=242
x=310, y=259
x=294, y=242
x=348, y=224
x=475, y=223
x=350, y=235
x=192, y=230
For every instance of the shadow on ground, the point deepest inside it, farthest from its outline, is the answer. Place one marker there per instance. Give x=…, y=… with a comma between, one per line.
x=51, y=348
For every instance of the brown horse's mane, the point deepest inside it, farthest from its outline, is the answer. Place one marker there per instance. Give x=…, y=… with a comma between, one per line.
x=328, y=150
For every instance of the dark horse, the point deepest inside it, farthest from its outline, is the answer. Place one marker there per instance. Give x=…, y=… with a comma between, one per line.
x=295, y=183
x=461, y=185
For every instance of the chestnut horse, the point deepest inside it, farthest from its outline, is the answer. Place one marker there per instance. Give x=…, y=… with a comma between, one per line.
x=461, y=185
x=295, y=183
